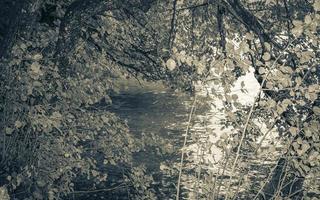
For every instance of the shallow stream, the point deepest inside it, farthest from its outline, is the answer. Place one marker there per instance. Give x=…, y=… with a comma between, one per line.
x=159, y=115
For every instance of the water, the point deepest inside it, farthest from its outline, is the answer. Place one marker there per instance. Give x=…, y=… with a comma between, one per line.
x=158, y=116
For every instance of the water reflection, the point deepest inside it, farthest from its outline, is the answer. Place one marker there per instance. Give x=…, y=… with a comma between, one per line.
x=156, y=112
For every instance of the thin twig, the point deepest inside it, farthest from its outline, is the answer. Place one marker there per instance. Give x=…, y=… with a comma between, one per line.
x=264, y=137
x=265, y=183
x=173, y=26
x=248, y=119
x=184, y=144
x=99, y=190
x=268, y=178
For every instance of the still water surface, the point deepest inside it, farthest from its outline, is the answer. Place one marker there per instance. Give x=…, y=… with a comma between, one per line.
x=159, y=114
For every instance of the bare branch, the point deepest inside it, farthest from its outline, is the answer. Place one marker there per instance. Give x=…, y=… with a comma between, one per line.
x=173, y=25
x=221, y=29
